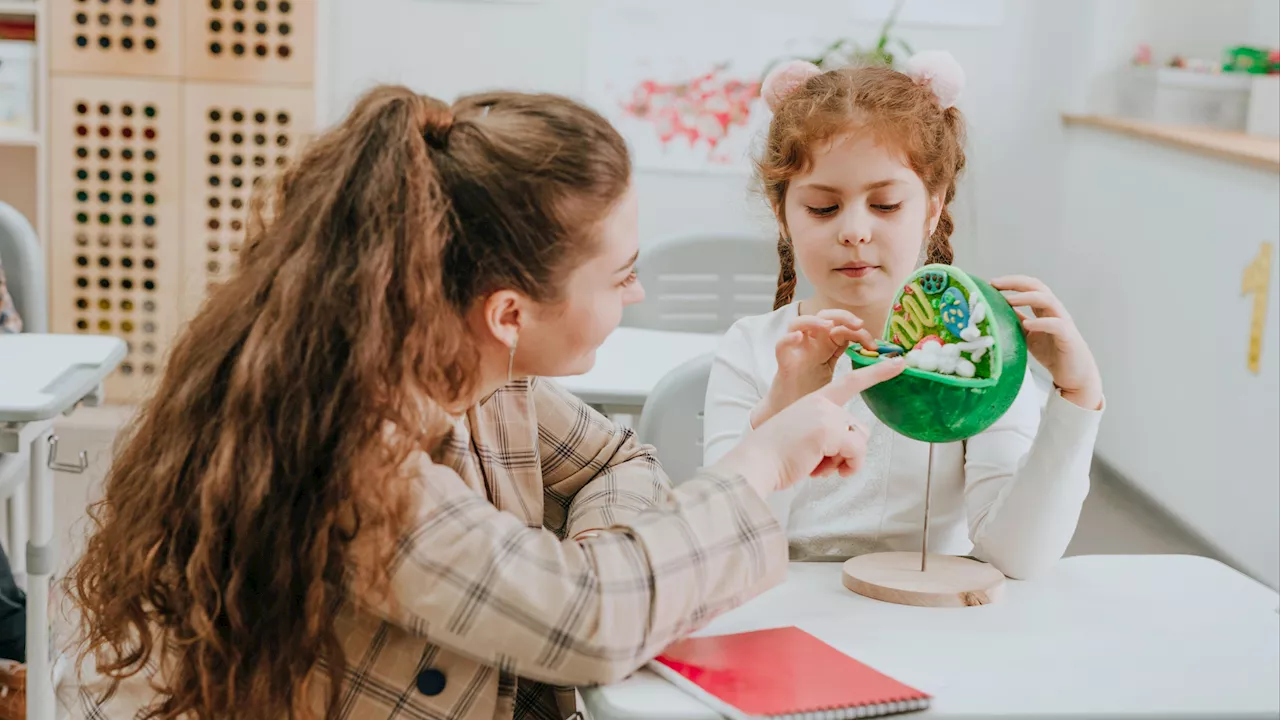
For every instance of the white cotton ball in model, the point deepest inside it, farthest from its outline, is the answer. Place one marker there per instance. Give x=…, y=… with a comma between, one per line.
x=964, y=368
x=977, y=313
x=970, y=333
x=951, y=351
x=947, y=364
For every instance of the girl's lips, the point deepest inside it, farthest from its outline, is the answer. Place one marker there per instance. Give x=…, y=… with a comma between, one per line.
x=856, y=271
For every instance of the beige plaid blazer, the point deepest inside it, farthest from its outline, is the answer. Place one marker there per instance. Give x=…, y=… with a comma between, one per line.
x=497, y=615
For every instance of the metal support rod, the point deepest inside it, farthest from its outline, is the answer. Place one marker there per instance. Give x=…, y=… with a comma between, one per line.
x=40, y=699
x=928, y=482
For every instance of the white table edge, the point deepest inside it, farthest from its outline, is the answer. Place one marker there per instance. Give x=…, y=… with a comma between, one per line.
x=600, y=708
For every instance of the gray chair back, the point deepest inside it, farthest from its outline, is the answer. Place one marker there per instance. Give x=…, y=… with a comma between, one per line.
x=672, y=418
x=23, y=261
x=704, y=283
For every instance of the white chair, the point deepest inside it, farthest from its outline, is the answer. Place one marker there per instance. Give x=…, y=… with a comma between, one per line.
x=672, y=418
x=704, y=283
x=23, y=262
x=31, y=464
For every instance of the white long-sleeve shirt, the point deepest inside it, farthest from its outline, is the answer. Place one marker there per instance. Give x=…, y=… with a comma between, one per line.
x=1010, y=495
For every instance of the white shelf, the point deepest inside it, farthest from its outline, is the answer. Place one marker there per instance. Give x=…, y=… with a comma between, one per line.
x=14, y=137
x=19, y=8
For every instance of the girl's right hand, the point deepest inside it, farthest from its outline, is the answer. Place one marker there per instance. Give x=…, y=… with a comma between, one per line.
x=807, y=357
x=812, y=436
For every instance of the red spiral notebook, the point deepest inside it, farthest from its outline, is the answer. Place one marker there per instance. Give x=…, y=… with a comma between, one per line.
x=783, y=673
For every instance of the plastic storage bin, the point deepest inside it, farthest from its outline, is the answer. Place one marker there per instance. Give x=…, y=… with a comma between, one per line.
x=1172, y=96
x=1264, y=106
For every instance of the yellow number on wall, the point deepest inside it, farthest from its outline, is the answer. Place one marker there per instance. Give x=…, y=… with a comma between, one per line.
x=1257, y=280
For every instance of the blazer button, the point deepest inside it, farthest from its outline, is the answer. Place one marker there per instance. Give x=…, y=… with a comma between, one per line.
x=430, y=682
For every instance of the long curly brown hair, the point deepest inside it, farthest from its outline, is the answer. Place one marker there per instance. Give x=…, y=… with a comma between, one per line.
x=264, y=479
x=873, y=99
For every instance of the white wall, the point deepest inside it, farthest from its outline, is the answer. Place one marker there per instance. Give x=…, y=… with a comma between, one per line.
x=450, y=48
x=1113, y=29
x=1264, y=23
x=1044, y=58
x=447, y=48
x=1204, y=28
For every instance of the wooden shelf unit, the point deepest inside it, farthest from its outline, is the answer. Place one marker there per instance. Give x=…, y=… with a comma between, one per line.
x=137, y=171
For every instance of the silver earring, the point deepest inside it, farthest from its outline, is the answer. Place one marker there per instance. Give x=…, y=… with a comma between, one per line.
x=511, y=361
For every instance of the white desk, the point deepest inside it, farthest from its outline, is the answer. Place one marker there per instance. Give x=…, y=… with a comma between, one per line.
x=41, y=377
x=1100, y=636
x=632, y=361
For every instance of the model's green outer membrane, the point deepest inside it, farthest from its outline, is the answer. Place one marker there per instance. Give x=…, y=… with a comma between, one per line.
x=935, y=408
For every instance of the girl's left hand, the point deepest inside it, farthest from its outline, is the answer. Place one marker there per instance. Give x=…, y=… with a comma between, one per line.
x=1054, y=339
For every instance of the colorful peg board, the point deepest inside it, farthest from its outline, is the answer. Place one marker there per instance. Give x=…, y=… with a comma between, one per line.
x=236, y=136
x=131, y=38
x=115, y=169
x=164, y=116
x=251, y=41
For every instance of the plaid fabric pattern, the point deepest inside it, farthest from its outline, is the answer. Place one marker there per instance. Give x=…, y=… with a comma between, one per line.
x=494, y=614
x=9, y=320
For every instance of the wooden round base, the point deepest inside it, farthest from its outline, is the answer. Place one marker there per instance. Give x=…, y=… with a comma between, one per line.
x=947, y=581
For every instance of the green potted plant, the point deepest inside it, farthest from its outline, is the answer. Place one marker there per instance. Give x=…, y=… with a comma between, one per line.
x=847, y=51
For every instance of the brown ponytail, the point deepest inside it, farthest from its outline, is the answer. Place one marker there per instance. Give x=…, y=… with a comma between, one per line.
x=939, y=248
x=952, y=144
x=786, y=273
x=435, y=118
x=265, y=482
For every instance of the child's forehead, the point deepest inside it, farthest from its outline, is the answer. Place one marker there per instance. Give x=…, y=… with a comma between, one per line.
x=854, y=157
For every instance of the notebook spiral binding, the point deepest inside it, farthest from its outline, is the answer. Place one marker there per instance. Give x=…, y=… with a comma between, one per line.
x=866, y=711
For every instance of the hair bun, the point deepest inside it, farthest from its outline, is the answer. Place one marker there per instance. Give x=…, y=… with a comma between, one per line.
x=940, y=72
x=784, y=79
x=435, y=119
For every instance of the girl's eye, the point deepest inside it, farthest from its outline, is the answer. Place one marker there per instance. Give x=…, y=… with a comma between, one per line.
x=822, y=211
x=887, y=208
x=631, y=278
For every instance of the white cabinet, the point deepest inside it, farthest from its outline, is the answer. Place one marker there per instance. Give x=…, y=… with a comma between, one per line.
x=1162, y=237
